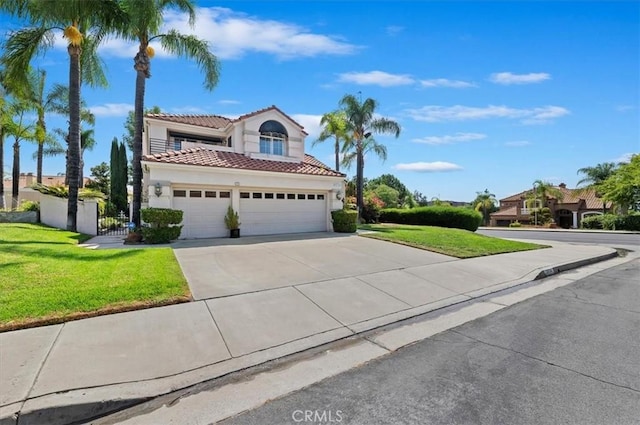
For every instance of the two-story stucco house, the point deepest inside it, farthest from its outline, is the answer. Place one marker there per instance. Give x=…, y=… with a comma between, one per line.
x=256, y=163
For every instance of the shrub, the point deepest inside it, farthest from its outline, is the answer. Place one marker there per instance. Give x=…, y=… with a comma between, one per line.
x=161, y=217
x=441, y=216
x=232, y=219
x=155, y=235
x=162, y=224
x=29, y=206
x=515, y=224
x=612, y=222
x=345, y=221
x=371, y=209
x=350, y=203
x=111, y=223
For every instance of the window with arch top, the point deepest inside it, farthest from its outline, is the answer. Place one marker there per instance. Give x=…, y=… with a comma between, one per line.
x=273, y=138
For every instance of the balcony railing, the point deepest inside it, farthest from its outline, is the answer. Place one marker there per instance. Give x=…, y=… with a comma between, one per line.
x=161, y=145
x=529, y=211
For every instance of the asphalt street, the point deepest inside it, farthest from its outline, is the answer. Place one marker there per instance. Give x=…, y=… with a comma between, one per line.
x=608, y=239
x=570, y=356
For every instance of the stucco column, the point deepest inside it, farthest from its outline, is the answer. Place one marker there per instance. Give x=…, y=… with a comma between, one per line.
x=235, y=199
x=575, y=219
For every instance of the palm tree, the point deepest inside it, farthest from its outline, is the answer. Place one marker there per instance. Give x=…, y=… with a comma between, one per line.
x=53, y=101
x=485, y=201
x=369, y=144
x=362, y=124
x=84, y=25
x=594, y=176
x=20, y=130
x=145, y=17
x=544, y=190
x=87, y=143
x=334, y=125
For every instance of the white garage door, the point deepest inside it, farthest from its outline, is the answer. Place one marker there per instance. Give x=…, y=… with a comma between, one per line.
x=270, y=212
x=204, y=211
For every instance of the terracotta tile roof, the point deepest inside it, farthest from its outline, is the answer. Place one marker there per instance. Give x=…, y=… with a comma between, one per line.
x=217, y=121
x=211, y=158
x=511, y=211
x=210, y=121
x=571, y=196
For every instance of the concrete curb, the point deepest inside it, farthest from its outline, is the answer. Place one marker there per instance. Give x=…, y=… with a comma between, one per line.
x=80, y=405
x=520, y=229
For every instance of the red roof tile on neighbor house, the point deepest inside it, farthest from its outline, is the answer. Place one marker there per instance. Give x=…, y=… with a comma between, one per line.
x=211, y=158
x=570, y=196
x=508, y=212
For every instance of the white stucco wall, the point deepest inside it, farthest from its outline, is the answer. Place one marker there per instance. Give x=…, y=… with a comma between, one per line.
x=53, y=212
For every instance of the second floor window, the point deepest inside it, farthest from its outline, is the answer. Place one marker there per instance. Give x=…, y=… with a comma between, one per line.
x=273, y=138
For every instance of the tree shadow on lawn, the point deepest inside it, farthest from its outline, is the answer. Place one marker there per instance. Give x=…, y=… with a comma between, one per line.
x=74, y=252
x=392, y=227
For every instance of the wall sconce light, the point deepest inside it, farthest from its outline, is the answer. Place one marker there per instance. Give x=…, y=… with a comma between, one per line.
x=339, y=195
x=158, y=189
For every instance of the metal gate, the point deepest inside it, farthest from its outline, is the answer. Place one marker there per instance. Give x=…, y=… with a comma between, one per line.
x=113, y=224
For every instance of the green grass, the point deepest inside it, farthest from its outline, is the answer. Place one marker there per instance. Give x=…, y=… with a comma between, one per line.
x=46, y=278
x=452, y=242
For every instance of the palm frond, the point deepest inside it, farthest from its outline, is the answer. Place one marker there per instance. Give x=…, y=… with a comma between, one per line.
x=195, y=49
x=91, y=64
x=348, y=159
x=20, y=48
x=385, y=126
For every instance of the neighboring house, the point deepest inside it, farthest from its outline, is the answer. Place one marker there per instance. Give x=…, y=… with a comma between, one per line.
x=568, y=212
x=256, y=163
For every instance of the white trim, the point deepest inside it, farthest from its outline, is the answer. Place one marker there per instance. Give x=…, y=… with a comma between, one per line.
x=588, y=213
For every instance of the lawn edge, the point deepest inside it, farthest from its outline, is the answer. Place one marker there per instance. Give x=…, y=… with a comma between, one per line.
x=103, y=311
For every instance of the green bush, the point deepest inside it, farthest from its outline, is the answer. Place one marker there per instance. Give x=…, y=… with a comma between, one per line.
x=111, y=223
x=441, y=216
x=162, y=224
x=345, y=221
x=612, y=222
x=515, y=224
x=161, y=217
x=232, y=219
x=155, y=235
x=371, y=209
x=29, y=206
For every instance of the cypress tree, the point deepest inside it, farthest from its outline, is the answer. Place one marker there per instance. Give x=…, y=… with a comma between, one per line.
x=115, y=173
x=123, y=177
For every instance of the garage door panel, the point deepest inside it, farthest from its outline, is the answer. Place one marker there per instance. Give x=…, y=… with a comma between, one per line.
x=203, y=217
x=277, y=216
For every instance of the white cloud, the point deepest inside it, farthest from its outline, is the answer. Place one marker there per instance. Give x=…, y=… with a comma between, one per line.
x=435, y=113
x=376, y=78
x=233, y=34
x=311, y=124
x=453, y=138
x=428, y=167
x=508, y=78
x=229, y=102
x=518, y=143
x=625, y=157
x=111, y=109
x=444, y=82
x=394, y=30
x=625, y=108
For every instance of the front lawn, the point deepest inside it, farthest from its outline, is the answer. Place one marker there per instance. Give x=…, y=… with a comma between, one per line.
x=453, y=242
x=46, y=278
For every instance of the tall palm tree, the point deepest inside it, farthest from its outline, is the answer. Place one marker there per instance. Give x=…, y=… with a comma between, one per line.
x=361, y=125
x=369, y=145
x=20, y=129
x=484, y=202
x=334, y=124
x=53, y=101
x=84, y=24
x=594, y=176
x=87, y=143
x=145, y=18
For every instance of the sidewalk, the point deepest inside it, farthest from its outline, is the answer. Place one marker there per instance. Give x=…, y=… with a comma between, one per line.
x=78, y=370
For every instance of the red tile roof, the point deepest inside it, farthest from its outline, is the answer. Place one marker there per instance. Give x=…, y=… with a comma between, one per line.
x=221, y=159
x=571, y=196
x=216, y=121
x=211, y=121
x=507, y=212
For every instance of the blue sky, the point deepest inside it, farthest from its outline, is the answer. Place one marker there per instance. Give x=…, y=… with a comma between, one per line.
x=489, y=95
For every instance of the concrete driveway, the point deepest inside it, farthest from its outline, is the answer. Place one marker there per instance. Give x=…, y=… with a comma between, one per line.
x=222, y=267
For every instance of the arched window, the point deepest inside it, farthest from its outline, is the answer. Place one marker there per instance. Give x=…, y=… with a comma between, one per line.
x=273, y=138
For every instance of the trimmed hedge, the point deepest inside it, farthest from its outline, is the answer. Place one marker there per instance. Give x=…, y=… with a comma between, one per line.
x=162, y=224
x=344, y=221
x=612, y=222
x=440, y=216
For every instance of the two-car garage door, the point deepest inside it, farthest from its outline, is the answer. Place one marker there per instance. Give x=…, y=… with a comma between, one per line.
x=262, y=212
